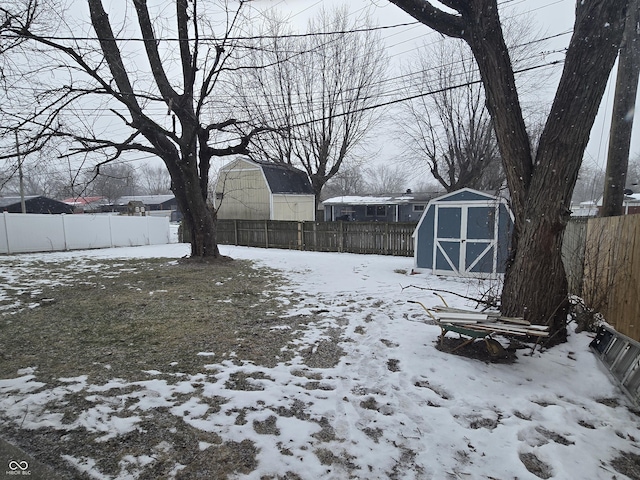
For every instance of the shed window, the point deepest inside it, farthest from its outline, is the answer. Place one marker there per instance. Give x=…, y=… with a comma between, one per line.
x=418, y=208
x=376, y=211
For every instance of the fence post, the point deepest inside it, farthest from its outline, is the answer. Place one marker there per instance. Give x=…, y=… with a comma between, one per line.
x=300, y=236
x=6, y=231
x=110, y=231
x=64, y=232
x=235, y=231
x=387, y=239
x=266, y=234
x=315, y=236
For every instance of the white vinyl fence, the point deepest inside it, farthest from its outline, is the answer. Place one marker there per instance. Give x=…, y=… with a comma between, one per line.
x=22, y=233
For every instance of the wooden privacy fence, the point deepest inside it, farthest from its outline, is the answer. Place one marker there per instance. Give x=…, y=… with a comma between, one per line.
x=611, y=282
x=369, y=237
x=352, y=237
x=601, y=255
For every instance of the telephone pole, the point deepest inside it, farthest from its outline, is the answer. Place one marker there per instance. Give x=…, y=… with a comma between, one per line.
x=20, y=176
x=622, y=119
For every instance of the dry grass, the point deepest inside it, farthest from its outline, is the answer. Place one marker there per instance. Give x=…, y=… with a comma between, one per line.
x=149, y=315
x=124, y=318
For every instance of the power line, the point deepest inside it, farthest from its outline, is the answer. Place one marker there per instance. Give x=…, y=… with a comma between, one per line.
x=214, y=39
x=419, y=95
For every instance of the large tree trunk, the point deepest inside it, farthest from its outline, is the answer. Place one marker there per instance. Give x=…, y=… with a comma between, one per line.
x=199, y=219
x=535, y=283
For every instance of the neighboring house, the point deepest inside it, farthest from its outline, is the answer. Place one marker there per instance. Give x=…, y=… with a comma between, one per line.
x=630, y=203
x=464, y=233
x=82, y=204
x=407, y=207
x=584, y=209
x=154, y=205
x=251, y=190
x=590, y=208
x=34, y=204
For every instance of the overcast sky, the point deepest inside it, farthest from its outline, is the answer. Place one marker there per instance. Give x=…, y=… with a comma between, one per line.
x=549, y=17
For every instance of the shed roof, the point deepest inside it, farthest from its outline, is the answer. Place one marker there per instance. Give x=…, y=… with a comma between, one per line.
x=284, y=178
x=466, y=195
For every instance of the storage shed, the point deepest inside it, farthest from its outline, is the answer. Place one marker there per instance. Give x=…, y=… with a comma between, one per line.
x=250, y=190
x=465, y=233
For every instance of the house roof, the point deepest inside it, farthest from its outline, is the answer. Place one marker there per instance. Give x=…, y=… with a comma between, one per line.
x=404, y=198
x=284, y=178
x=631, y=199
x=146, y=199
x=7, y=201
x=35, y=204
x=77, y=201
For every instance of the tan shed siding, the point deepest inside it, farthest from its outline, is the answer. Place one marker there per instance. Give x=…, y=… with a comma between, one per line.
x=293, y=207
x=245, y=195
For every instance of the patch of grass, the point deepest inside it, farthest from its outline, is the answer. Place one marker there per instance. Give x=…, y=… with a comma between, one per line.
x=536, y=466
x=627, y=463
x=149, y=314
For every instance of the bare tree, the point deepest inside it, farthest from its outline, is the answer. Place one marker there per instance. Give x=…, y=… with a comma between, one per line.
x=386, y=179
x=112, y=181
x=350, y=180
x=23, y=12
x=541, y=185
x=589, y=183
x=450, y=128
x=316, y=91
x=160, y=96
x=154, y=180
x=633, y=174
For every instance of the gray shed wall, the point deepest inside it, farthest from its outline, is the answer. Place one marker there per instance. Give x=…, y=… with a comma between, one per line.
x=425, y=234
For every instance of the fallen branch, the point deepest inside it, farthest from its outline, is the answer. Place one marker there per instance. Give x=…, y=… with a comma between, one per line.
x=490, y=303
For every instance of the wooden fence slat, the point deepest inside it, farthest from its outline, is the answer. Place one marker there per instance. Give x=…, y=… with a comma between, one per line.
x=352, y=237
x=612, y=271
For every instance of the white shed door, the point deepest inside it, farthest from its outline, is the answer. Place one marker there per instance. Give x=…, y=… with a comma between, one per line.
x=465, y=240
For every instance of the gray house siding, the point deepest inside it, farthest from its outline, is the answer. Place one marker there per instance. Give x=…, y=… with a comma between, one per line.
x=406, y=207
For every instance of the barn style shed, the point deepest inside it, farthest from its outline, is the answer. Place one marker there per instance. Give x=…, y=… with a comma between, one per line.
x=465, y=233
x=250, y=190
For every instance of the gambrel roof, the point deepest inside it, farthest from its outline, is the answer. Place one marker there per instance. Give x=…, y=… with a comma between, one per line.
x=284, y=178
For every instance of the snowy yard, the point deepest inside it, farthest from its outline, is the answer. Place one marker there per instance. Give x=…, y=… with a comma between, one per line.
x=390, y=406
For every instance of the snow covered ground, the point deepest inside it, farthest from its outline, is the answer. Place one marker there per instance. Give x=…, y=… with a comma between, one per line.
x=393, y=407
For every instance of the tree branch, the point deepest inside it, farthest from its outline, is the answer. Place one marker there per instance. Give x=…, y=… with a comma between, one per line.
x=151, y=46
x=426, y=13
x=187, y=60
